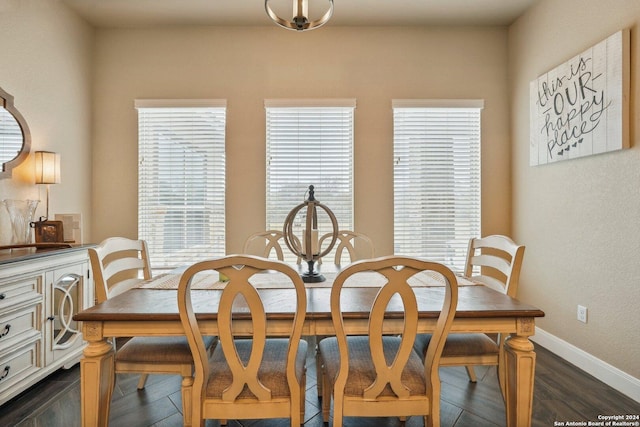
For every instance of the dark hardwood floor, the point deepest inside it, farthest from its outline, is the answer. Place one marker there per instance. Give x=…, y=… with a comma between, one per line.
x=562, y=393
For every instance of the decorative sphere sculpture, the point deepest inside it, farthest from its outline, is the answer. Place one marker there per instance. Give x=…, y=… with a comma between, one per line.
x=308, y=247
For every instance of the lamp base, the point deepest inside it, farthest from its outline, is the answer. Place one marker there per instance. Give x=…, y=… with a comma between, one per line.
x=312, y=276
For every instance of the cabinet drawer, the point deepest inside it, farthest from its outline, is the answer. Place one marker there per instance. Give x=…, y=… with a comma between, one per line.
x=18, y=291
x=18, y=365
x=18, y=325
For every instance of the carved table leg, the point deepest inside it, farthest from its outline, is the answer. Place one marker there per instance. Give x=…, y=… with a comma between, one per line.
x=521, y=363
x=97, y=377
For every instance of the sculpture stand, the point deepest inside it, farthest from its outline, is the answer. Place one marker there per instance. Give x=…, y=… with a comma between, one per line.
x=312, y=276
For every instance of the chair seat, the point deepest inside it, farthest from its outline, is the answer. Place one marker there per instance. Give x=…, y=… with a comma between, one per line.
x=362, y=372
x=460, y=345
x=159, y=350
x=272, y=372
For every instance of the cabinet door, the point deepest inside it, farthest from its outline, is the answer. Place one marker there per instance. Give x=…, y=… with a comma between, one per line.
x=67, y=294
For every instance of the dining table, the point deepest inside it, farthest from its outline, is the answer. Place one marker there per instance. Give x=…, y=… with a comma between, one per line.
x=151, y=309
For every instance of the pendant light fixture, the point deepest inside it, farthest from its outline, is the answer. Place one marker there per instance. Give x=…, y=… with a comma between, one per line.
x=301, y=20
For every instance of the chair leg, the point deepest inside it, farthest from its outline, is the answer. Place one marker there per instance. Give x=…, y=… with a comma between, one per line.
x=318, y=372
x=501, y=371
x=295, y=417
x=187, y=401
x=471, y=373
x=319, y=365
x=433, y=418
x=430, y=421
x=338, y=421
x=326, y=398
x=303, y=387
x=142, y=381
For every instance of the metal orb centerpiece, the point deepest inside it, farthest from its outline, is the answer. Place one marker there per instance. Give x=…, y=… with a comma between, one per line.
x=309, y=250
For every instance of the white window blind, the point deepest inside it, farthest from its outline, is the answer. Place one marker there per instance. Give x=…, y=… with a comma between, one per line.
x=181, y=180
x=436, y=178
x=309, y=142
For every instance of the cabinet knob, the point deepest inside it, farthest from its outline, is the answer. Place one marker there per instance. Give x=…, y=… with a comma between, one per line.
x=5, y=332
x=2, y=296
x=5, y=372
x=51, y=318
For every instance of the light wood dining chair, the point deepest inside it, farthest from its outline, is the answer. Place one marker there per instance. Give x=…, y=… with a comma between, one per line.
x=378, y=375
x=267, y=244
x=350, y=246
x=246, y=378
x=495, y=261
x=119, y=264
x=264, y=244
x=345, y=253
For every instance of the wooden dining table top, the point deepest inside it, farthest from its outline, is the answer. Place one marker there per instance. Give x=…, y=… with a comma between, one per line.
x=160, y=304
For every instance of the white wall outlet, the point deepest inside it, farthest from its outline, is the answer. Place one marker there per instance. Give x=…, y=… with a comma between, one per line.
x=582, y=314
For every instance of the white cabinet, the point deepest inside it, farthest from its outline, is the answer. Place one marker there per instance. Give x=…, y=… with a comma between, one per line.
x=40, y=291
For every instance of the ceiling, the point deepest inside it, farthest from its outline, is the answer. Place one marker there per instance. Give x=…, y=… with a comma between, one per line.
x=147, y=13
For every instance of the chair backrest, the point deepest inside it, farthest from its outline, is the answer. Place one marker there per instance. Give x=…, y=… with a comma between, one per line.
x=240, y=269
x=396, y=272
x=500, y=261
x=267, y=244
x=350, y=246
x=118, y=264
x=264, y=244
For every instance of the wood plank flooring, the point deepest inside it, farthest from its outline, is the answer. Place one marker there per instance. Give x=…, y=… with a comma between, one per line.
x=562, y=393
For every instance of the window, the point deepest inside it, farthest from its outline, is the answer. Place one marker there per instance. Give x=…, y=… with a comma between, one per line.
x=181, y=180
x=309, y=142
x=436, y=178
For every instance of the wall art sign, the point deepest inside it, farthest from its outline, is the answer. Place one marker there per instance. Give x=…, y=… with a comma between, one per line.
x=581, y=107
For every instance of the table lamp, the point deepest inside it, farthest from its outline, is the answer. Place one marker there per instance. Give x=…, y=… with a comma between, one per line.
x=47, y=172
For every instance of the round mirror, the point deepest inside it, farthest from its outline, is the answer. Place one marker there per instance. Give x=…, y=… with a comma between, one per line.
x=15, y=139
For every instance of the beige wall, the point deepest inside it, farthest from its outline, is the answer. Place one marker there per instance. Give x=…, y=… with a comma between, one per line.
x=580, y=219
x=245, y=66
x=46, y=66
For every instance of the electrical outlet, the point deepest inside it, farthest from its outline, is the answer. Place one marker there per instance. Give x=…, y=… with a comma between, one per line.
x=582, y=314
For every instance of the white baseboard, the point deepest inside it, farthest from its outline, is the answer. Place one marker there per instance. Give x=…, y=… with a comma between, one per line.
x=606, y=373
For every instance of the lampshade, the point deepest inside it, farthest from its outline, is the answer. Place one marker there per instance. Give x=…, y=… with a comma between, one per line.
x=47, y=167
x=301, y=20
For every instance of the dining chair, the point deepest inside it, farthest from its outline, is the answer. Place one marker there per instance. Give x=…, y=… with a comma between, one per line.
x=354, y=246
x=246, y=378
x=379, y=375
x=495, y=261
x=118, y=265
x=345, y=253
x=267, y=244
